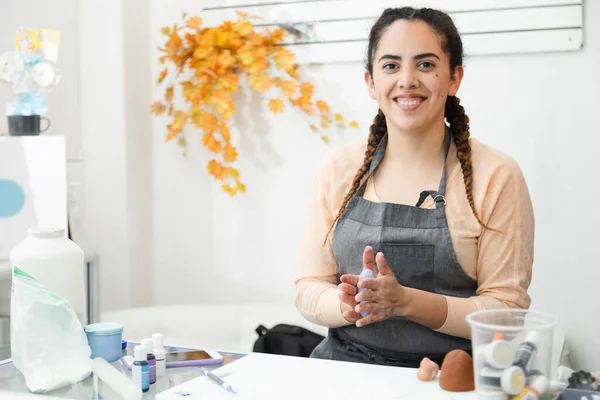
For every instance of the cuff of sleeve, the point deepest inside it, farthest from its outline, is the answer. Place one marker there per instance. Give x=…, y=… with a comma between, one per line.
x=332, y=309
x=456, y=323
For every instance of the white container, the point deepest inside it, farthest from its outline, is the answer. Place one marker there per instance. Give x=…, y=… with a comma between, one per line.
x=56, y=262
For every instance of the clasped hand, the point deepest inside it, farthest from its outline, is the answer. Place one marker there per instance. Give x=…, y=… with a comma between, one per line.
x=385, y=296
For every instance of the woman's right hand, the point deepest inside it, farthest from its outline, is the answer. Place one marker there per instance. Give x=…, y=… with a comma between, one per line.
x=349, y=290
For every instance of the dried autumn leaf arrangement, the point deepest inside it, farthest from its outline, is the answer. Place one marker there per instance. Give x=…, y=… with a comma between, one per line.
x=212, y=60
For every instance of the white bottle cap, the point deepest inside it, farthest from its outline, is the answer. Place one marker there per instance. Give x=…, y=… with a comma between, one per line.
x=157, y=339
x=140, y=353
x=147, y=343
x=512, y=380
x=499, y=354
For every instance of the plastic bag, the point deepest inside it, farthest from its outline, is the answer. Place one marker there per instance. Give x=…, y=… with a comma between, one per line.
x=48, y=344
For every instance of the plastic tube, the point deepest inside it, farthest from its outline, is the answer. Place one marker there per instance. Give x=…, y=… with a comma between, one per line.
x=119, y=383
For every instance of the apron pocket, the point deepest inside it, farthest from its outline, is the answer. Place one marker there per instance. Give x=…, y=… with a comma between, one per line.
x=411, y=263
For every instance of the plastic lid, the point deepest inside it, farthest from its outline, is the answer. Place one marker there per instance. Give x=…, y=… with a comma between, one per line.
x=147, y=343
x=512, y=380
x=46, y=233
x=157, y=339
x=104, y=328
x=139, y=353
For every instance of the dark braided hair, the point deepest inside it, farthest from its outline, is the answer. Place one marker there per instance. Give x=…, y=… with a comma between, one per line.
x=454, y=113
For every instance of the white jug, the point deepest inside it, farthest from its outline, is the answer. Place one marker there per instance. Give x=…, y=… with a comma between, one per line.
x=56, y=262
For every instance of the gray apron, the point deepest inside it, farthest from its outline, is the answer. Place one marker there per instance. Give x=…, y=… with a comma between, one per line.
x=418, y=249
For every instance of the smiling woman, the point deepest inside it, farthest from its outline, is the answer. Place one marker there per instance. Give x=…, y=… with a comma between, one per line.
x=447, y=220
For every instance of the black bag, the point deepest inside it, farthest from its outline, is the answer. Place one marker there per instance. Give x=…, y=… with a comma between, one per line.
x=286, y=340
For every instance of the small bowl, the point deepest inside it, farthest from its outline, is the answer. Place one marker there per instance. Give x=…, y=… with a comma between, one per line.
x=105, y=339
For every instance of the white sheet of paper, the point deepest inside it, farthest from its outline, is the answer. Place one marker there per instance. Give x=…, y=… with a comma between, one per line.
x=265, y=376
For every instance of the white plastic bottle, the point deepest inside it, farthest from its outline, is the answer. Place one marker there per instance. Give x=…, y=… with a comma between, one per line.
x=56, y=262
x=159, y=353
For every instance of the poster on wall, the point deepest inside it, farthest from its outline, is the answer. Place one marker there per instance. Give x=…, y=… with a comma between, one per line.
x=33, y=187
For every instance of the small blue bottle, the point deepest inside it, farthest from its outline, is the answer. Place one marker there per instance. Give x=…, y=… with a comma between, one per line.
x=140, y=372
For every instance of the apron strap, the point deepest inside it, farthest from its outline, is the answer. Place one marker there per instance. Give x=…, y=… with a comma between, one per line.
x=438, y=196
x=379, y=153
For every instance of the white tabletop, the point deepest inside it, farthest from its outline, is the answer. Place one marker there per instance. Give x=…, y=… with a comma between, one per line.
x=266, y=376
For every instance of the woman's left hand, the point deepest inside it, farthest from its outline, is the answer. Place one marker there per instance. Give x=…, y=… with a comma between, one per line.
x=385, y=298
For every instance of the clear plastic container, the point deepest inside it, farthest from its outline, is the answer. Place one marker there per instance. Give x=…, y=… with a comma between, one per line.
x=512, y=353
x=57, y=263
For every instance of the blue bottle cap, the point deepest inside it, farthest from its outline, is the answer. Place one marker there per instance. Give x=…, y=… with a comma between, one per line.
x=123, y=344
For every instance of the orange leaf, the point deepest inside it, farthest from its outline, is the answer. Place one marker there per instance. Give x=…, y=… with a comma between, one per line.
x=308, y=108
x=211, y=143
x=284, y=59
x=157, y=108
x=189, y=90
x=165, y=30
x=276, y=105
x=260, y=81
x=243, y=27
x=169, y=94
x=242, y=14
x=222, y=103
x=306, y=89
x=217, y=170
x=226, y=60
x=276, y=36
x=229, y=189
x=325, y=138
x=325, y=122
x=207, y=122
x=194, y=22
x=339, y=117
x=322, y=106
x=224, y=128
x=162, y=76
x=179, y=120
x=246, y=55
x=228, y=81
x=288, y=88
x=314, y=128
x=222, y=38
x=234, y=173
x=230, y=154
x=353, y=124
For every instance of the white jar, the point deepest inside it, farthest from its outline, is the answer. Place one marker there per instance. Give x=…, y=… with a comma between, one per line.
x=56, y=262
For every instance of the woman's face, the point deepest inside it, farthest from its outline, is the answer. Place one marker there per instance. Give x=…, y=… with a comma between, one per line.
x=411, y=77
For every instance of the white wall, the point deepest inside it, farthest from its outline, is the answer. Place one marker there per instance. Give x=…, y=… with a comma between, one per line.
x=116, y=138
x=538, y=108
x=102, y=89
x=542, y=109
